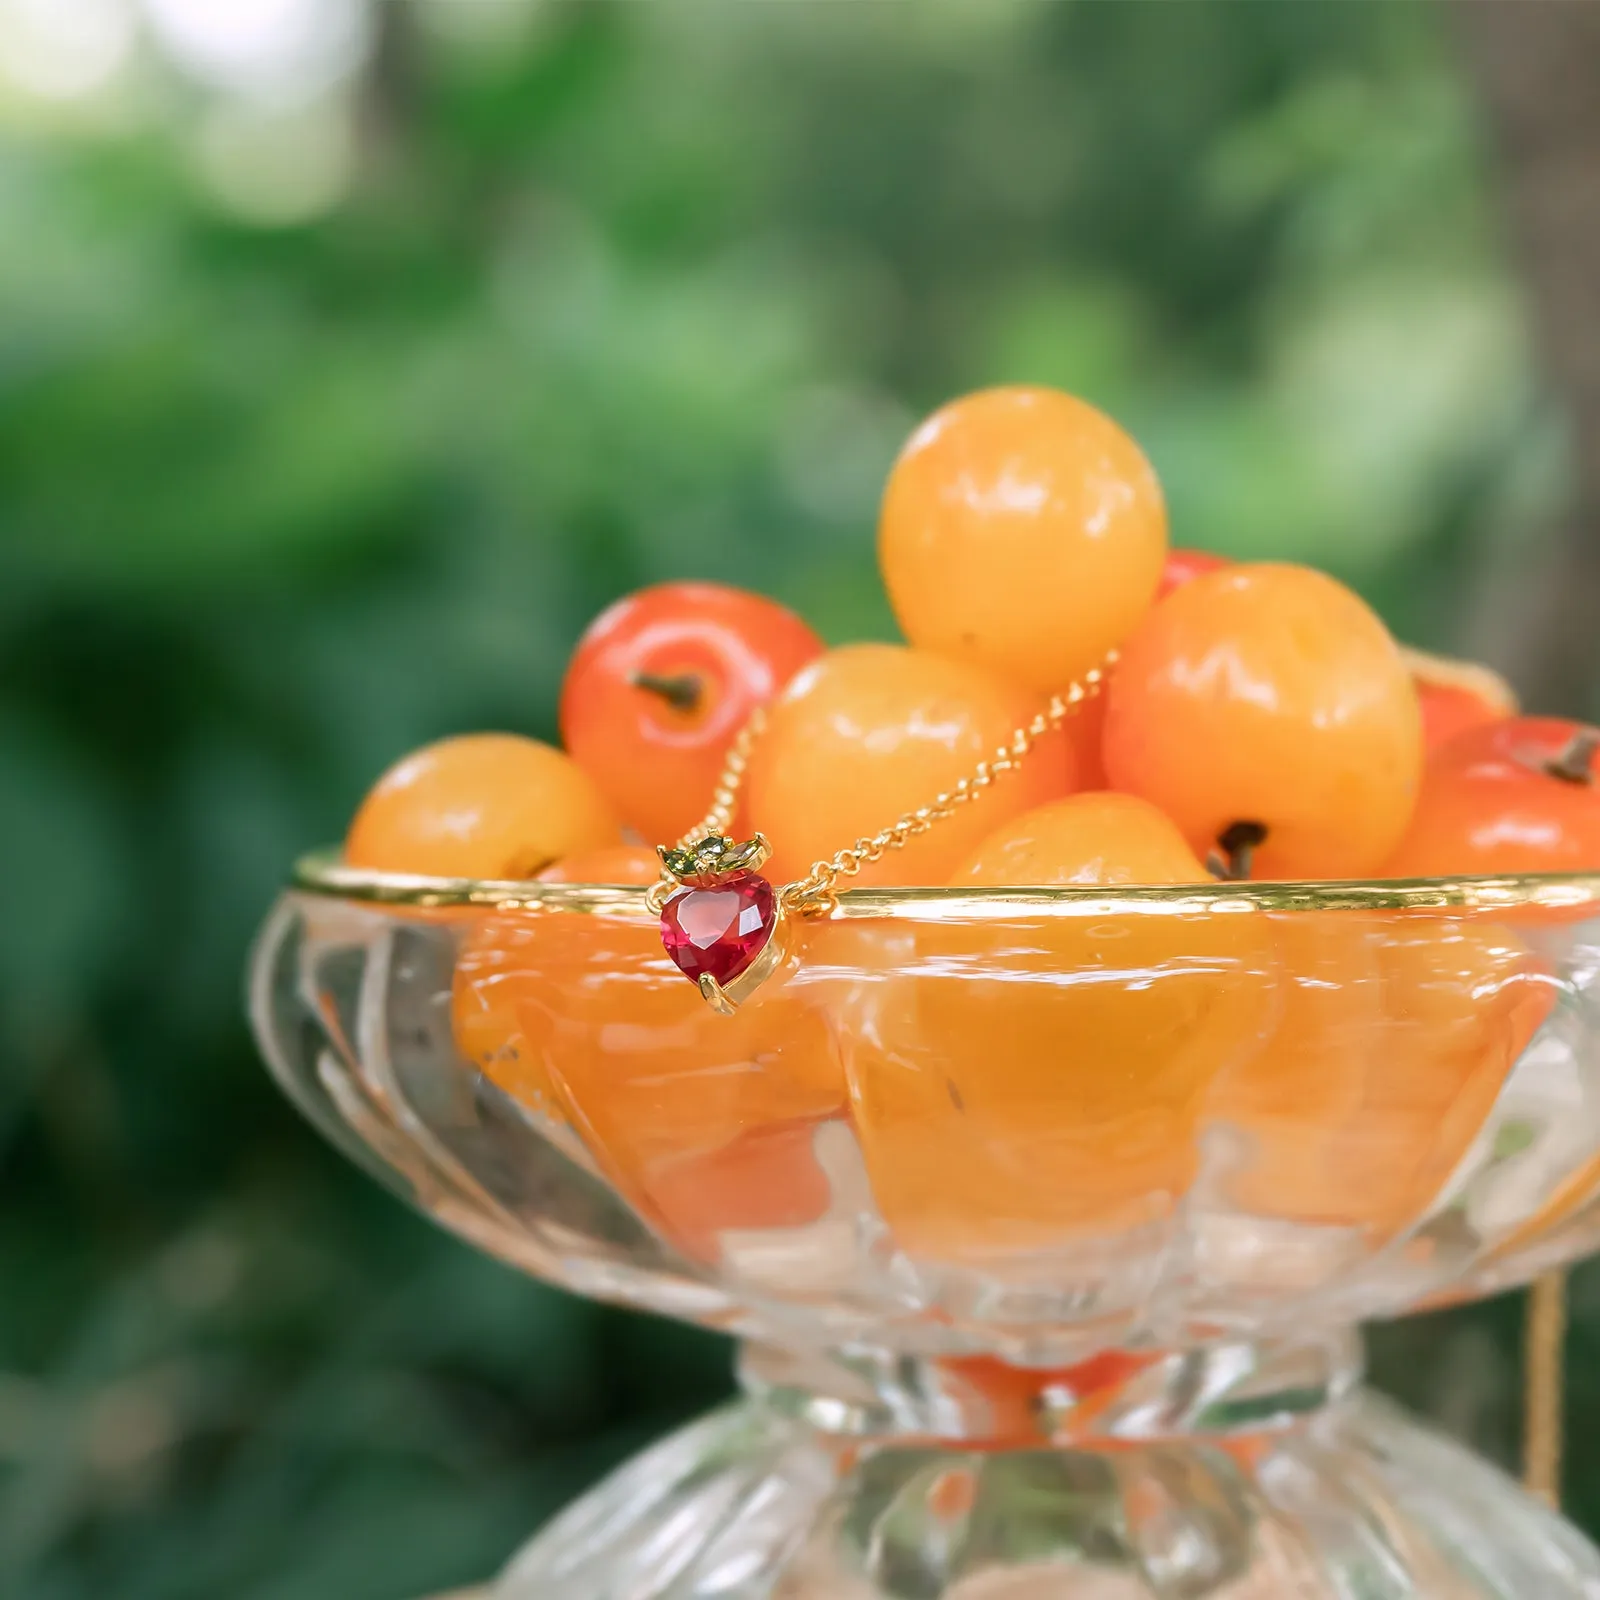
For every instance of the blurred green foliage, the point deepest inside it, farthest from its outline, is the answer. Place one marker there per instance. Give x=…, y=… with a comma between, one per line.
x=613, y=294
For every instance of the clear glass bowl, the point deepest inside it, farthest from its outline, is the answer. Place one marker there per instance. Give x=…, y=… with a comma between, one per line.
x=1045, y=1216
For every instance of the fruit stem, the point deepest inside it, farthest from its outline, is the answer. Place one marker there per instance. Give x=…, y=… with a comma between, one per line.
x=681, y=692
x=1235, y=852
x=1572, y=765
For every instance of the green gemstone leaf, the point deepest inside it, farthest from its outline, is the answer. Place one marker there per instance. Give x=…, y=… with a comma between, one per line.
x=713, y=856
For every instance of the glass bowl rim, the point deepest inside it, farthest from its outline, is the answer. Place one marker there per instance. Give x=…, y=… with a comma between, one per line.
x=324, y=873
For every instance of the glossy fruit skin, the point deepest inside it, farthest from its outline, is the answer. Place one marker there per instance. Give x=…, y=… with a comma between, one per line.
x=1270, y=694
x=870, y=731
x=1085, y=733
x=1490, y=805
x=1022, y=531
x=483, y=805
x=501, y=956
x=765, y=1178
x=658, y=763
x=1184, y=566
x=1392, y=1035
x=1004, y=1106
x=1457, y=695
x=619, y=863
x=1097, y=838
x=585, y=1021
x=1448, y=710
x=660, y=1087
x=1016, y=1092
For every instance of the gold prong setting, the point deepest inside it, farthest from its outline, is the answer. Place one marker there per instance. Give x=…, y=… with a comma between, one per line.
x=726, y=998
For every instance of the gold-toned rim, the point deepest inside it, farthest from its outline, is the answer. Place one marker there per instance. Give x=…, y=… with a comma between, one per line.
x=325, y=874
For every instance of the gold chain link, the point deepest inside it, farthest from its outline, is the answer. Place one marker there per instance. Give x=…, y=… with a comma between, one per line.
x=725, y=798
x=817, y=892
x=724, y=801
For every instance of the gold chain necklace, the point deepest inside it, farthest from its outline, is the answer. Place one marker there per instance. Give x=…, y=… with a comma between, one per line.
x=707, y=875
x=707, y=859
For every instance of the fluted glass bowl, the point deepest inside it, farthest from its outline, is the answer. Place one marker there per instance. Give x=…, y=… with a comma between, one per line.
x=1083, y=1189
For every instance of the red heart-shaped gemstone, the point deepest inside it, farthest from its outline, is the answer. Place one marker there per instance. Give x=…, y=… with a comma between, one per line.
x=720, y=929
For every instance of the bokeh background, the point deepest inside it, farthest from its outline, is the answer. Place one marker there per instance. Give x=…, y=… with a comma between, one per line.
x=352, y=355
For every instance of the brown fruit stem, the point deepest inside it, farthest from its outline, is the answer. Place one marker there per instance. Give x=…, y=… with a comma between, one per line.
x=1235, y=853
x=681, y=692
x=1573, y=764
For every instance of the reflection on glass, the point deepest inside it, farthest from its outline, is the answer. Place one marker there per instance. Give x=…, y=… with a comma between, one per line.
x=1008, y=1172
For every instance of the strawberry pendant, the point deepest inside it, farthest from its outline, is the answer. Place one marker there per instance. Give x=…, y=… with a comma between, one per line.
x=722, y=924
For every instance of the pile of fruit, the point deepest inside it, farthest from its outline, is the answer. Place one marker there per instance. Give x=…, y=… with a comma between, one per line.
x=1259, y=723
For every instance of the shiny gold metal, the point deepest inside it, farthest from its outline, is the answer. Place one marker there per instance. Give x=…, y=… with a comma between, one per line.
x=817, y=894
x=726, y=998
x=732, y=995
x=704, y=862
x=324, y=874
x=724, y=800
x=714, y=996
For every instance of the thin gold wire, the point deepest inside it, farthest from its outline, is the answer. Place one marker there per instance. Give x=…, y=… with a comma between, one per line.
x=725, y=798
x=1543, y=1358
x=817, y=894
x=323, y=873
x=724, y=801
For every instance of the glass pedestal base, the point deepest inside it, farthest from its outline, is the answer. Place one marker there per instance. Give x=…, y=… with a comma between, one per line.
x=1350, y=1500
